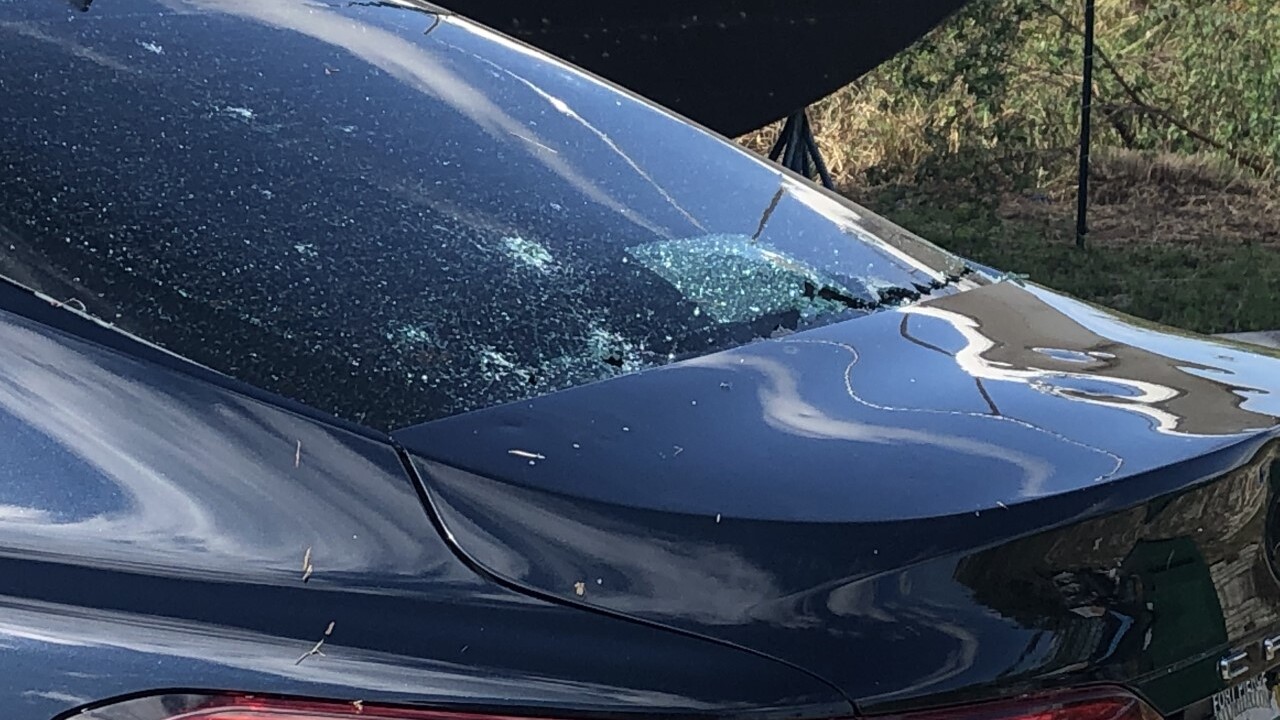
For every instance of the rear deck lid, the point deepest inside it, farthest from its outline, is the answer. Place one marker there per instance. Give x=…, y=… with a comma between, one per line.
x=826, y=496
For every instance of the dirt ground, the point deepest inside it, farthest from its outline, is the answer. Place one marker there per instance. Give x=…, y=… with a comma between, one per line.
x=1163, y=199
x=1181, y=241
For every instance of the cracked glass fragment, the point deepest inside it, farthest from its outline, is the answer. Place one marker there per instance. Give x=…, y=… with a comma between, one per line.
x=733, y=278
x=528, y=252
x=612, y=349
x=494, y=361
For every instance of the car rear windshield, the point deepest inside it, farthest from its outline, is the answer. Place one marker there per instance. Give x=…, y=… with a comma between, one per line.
x=395, y=216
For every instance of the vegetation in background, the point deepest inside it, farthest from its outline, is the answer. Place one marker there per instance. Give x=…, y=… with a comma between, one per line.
x=1156, y=266
x=969, y=139
x=996, y=88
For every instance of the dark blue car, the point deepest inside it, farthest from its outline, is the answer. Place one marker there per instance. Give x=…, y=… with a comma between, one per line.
x=359, y=361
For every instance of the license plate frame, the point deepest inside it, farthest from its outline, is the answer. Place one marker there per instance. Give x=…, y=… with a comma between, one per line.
x=1254, y=698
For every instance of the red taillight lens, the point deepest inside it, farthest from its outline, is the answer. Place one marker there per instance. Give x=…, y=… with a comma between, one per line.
x=1094, y=704
x=1101, y=704
x=245, y=707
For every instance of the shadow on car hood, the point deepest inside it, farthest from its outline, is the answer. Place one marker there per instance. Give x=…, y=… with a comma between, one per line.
x=764, y=495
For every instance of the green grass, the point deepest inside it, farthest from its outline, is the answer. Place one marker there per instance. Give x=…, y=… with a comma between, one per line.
x=984, y=111
x=998, y=84
x=1204, y=287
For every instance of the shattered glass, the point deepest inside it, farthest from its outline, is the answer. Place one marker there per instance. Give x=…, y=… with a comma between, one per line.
x=733, y=278
x=411, y=218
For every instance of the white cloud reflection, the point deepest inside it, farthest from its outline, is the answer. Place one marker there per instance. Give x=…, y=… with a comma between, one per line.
x=198, y=481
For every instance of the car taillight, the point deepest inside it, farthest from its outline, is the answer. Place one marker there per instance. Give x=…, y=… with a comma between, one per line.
x=1093, y=704
x=248, y=707
x=1090, y=704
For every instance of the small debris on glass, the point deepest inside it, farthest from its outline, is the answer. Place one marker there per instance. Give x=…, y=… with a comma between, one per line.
x=315, y=649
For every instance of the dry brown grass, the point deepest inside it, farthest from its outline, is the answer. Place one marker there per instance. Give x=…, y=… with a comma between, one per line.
x=855, y=133
x=969, y=139
x=995, y=91
x=1154, y=197
x=1164, y=198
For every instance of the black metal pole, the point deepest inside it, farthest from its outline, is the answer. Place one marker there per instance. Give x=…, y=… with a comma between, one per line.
x=1086, y=104
x=781, y=144
x=823, y=173
x=797, y=149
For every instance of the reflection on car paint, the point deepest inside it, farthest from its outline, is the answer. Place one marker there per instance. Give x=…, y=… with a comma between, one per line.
x=1179, y=581
x=1006, y=346
x=156, y=529
x=949, y=410
x=151, y=460
x=770, y=495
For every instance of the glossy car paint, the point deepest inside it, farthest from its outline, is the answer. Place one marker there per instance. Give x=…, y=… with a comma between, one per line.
x=1269, y=339
x=958, y=499
x=994, y=490
x=153, y=529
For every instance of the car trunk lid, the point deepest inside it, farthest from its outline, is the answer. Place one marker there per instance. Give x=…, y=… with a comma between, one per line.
x=954, y=498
